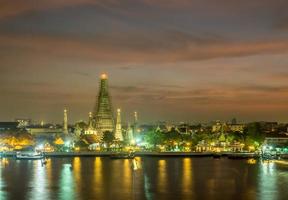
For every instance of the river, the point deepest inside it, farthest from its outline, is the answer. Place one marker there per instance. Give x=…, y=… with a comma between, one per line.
x=159, y=178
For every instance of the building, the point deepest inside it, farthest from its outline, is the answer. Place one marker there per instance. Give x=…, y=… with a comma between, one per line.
x=103, y=112
x=22, y=123
x=233, y=127
x=236, y=127
x=277, y=140
x=268, y=127
x=46, y=130
x=6, y=126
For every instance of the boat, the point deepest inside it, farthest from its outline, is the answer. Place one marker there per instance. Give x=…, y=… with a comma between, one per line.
x=122, y=156
x=217, y=155
x=29, y=155
x=242, y=155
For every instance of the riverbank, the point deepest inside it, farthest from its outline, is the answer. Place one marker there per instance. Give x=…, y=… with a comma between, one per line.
x=143, y=154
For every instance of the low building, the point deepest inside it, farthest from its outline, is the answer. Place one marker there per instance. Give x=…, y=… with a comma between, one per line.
x=236, y=127
x=5, y=126
x=44, y=130
x=281, y=140
x=22, y=123
x=219, y=127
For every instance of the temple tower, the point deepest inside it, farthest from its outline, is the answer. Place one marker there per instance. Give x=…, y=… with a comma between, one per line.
x=65, y=122
x=118, y=128
x=90, y=120
x=135, y=118
x=135, y=125
x=130, y=136
x=103, y=114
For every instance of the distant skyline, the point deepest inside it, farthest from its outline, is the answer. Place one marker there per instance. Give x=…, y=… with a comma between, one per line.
x=174, y=60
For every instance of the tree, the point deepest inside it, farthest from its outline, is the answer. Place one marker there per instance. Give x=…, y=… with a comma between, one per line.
x=108, y=138
x=154, y=138
x=253, y=134
x=18, y=137
x=172, y=138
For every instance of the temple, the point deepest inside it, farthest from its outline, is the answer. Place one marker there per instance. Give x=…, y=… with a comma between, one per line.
x=103, y=112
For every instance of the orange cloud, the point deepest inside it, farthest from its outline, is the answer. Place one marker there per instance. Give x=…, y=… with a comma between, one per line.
x=13, y=8
x=164, y=47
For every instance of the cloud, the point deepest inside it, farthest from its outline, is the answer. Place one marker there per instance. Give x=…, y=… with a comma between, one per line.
x=218, y=94
x=282, y=24
x=136, y=48
x=16, y=8
x=19, y=7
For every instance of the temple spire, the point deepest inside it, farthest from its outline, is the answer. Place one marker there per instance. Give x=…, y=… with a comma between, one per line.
x=90, y=120
x=118, y=129
x=65, y=122
x=130, y=135
x=135, y=125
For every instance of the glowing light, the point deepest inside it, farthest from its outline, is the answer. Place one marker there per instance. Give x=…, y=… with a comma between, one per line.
x=251, y=148
x=132, y=142
x=251, y=161
x=77, y=148
x=104, y=76
x=67, y=143
x=270, y=147
x=138, y=140
x=40, y=147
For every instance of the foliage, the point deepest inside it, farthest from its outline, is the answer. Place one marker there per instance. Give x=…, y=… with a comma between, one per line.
x=154, y=138
x=253, y=134
x=172, y=139
x=18, y=137
x=108, y=138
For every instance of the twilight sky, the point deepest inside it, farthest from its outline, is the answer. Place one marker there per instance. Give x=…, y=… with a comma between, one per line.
x=180, y=60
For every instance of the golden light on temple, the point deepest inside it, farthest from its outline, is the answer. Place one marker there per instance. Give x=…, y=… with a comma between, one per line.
x=104, y=76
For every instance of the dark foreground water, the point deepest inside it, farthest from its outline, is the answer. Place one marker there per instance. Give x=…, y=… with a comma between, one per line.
x=159, y=178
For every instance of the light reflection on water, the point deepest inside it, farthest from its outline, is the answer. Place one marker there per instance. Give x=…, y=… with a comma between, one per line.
x=3, y=163
x=162, y=175
x=187, y=181
x=127, y=176
x=67, y=183
x=160, y=178
x=268, y=181
x=38, y=183
x=98, y=178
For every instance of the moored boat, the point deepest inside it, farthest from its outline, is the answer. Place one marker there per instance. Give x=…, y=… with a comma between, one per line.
x=242, y=155
x=217, y=155
x=29, y=155
x=122, y=156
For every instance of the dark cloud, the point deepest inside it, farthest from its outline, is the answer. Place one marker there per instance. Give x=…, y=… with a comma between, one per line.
x=282, y=24
x=177, y=59
x=165, y=47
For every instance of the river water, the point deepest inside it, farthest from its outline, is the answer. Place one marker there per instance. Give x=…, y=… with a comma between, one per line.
x=159, y=179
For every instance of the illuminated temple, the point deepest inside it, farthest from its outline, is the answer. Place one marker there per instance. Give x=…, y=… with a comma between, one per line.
x=103, y=113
